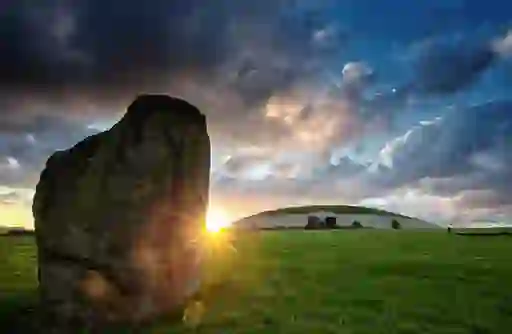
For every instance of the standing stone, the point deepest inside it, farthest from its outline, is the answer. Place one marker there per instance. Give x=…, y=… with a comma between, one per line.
x=330, y=222
x=116, y=216
x=314, y=223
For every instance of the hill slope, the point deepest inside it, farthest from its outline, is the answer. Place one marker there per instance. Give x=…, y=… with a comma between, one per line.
x=346, y=214
x=338, y=209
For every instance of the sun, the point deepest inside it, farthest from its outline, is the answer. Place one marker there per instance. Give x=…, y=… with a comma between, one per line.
x=216, y=220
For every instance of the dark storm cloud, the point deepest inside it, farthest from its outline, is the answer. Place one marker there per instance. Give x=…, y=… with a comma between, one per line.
x=118, y=40
x=30, y=141
x=237, y=54
x=449, y=64
x=466, y=150
x=443, y=148
x=228, y=57
x=104, y=46
x=234, y=59
x=448, y=67
x=439, y=66
x=437, y=150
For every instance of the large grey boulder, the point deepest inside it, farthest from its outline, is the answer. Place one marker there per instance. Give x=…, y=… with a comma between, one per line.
x=116, y=216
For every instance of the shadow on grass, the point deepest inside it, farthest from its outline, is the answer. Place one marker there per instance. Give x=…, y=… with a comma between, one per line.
x=21, y=313
x=18, y=313
x=21, y=316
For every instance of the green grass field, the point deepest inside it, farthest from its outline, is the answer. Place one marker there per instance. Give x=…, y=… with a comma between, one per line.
x=367, y=281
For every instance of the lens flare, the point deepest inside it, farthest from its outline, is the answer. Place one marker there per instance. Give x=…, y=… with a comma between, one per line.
x=216, y=220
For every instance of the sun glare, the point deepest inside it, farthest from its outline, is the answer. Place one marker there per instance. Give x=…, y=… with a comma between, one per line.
x=216, y=220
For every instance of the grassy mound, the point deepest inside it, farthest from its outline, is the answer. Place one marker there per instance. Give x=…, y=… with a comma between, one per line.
x=368, y=281
x=338, y=209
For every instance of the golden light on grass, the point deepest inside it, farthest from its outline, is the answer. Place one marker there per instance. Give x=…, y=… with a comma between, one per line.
x=194, y=313
x=216, y=253
x=216, y=220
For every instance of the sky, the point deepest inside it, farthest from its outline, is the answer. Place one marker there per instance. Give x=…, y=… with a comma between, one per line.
x=395, y=104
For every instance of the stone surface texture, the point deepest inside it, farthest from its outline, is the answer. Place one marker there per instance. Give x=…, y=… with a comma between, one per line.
x=116, y=216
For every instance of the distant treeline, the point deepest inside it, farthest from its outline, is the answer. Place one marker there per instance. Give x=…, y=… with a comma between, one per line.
x=17, y=232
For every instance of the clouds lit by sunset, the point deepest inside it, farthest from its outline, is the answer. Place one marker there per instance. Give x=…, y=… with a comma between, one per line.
x=397, y=104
